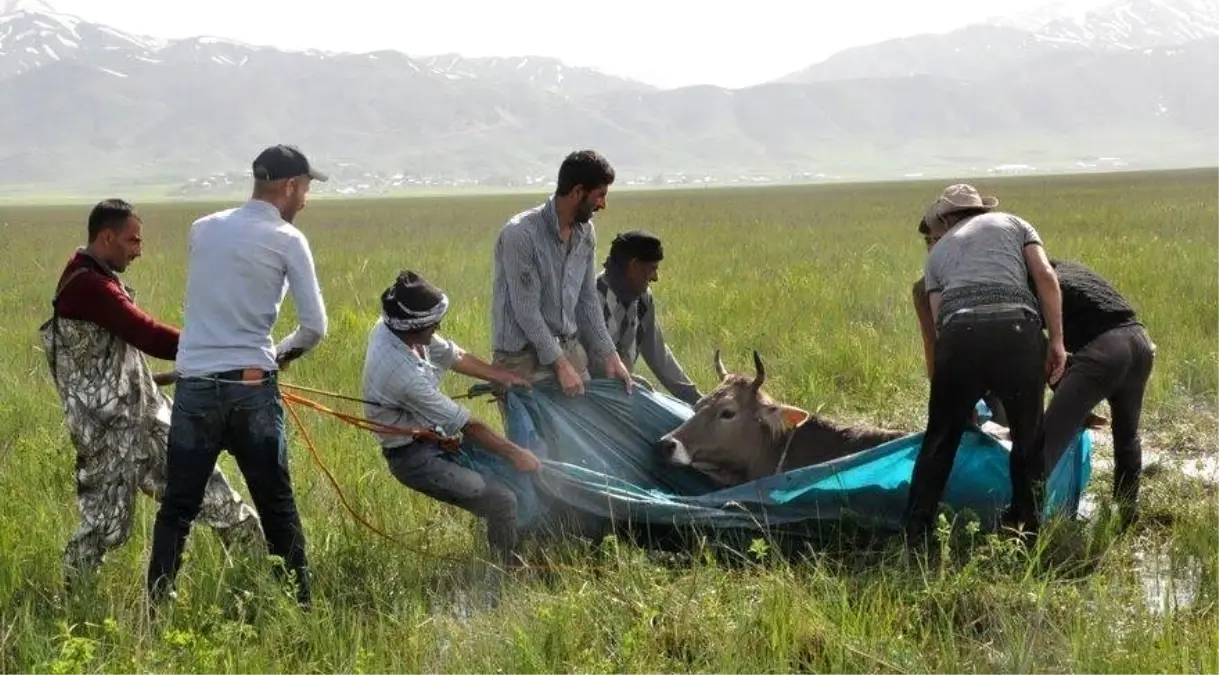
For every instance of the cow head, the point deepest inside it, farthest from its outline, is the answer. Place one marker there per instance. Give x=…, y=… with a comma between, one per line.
x=736, y=430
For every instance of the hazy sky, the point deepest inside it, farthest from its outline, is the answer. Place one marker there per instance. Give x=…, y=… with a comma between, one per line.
x=665, y=42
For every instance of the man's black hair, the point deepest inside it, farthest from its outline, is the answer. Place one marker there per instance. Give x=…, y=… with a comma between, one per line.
x=635, y=244
x=588, y=169
x=109, y=214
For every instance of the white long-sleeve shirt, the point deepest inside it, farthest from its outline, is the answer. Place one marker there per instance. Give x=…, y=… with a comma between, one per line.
x=242, y=262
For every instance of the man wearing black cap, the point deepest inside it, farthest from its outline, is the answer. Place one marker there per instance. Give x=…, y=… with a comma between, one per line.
x=403, y=365
x=630, y=310
x=227, y=363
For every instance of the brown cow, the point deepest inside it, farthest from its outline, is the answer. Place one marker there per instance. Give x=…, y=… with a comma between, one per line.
x=739, y=434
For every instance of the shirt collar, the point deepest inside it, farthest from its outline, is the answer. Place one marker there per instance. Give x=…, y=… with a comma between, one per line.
x=550, y=213
x=101, y=266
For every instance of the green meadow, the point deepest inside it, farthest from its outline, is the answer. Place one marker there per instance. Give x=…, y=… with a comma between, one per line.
x=817, y=279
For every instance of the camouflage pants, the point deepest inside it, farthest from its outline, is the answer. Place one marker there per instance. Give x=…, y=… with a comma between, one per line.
x=120, y=460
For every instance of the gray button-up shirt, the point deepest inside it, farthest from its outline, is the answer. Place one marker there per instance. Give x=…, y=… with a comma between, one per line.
x=403, y=390
x=544, y=288
x=635, y=333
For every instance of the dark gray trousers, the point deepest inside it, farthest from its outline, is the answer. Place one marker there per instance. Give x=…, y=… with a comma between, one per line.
x=1114, y=367
x=424, y=467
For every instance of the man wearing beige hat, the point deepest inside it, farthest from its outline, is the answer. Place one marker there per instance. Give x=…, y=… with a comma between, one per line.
x=988, y=338
x=1110, y=357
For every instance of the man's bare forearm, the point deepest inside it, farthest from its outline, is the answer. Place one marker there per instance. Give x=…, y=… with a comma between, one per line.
x=486, y=437
x=472, y=366
x=926, y=324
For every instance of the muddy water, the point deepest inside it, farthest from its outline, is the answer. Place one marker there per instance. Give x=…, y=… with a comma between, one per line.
x=1169, y=584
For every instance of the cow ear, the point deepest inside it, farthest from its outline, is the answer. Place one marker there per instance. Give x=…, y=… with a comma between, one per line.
x=792, y=416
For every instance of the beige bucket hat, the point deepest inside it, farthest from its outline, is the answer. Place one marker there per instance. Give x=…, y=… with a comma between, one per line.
x=958, y=197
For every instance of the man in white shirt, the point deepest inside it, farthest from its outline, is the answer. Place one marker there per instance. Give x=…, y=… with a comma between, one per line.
x=242, y=261
x=402, y=369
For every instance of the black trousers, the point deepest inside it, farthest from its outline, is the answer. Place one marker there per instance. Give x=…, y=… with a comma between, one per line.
x=999, y=350
x=211, y=414
x=1114, y=367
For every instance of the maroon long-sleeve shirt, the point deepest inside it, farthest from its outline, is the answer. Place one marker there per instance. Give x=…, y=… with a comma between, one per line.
x=98, y=296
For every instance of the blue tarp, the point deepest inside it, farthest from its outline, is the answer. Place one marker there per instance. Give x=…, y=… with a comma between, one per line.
x=599, y=459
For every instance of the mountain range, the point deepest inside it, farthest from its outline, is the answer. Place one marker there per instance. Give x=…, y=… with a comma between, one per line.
x=88, y=106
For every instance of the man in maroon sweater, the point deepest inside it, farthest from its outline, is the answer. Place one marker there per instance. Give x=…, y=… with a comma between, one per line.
x=118, y=420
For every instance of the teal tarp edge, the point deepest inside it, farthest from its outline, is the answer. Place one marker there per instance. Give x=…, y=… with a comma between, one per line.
x=599, y=459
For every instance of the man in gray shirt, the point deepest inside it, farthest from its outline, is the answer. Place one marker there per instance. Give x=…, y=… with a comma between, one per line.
x=242, y=261
x=630, y=311
x=988, y=339
x=545, y=315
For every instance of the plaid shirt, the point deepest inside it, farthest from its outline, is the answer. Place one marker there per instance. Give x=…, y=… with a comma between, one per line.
x=403, y=389
x=635, y=333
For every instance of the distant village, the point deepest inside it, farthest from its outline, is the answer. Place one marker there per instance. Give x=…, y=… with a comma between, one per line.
x=352, y=181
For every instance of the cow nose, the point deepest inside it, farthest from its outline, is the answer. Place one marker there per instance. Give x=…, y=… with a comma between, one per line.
x=674, y=451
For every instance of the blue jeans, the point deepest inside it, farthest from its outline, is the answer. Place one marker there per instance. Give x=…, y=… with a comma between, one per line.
x=247, y=419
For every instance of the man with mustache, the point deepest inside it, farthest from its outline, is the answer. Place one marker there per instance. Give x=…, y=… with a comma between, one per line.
x=632, y=266
x=546, y=317
x=96, y=343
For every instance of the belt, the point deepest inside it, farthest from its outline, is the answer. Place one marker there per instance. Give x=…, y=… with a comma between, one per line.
x=247, y=375
x=1005, y=310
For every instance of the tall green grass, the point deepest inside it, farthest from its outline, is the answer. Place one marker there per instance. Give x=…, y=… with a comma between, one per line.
x=817, y=280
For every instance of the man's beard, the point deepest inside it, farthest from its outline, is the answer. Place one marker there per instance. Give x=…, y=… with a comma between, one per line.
x=584, y=213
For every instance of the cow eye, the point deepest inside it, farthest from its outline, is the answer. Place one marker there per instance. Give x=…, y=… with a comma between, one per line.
x=727, y=414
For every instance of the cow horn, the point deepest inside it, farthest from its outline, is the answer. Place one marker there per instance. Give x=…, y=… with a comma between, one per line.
x=720, y=371
x=761, y=370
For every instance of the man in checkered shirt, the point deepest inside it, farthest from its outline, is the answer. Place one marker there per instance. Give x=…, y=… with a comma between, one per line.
x=630, y=311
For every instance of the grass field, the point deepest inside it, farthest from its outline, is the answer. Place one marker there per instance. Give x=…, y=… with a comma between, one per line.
x=816, y=279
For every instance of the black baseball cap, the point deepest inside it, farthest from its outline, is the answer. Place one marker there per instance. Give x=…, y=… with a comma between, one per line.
x=279, y=162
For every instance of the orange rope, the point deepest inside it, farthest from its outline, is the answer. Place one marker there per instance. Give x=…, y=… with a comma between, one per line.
x=451, y=443
x=330, y=476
